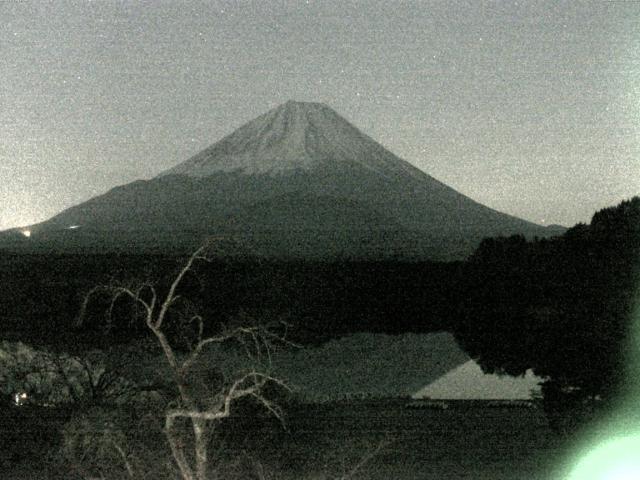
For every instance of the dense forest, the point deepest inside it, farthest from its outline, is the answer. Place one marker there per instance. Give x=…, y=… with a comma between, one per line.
x=561, y=306
x=43, y=295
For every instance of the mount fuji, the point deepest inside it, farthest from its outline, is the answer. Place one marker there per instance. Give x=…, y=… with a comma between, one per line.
x=297, y=182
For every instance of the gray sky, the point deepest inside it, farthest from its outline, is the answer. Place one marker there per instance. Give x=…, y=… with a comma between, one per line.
x=532, y=108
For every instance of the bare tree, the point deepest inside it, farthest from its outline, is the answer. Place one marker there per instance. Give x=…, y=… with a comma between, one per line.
x=193, y=458
x=350, y=469
x=335, y=467
x=45, y=377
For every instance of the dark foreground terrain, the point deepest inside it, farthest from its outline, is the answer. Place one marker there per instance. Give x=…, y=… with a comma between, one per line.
x=463, y=441
x=384, y=439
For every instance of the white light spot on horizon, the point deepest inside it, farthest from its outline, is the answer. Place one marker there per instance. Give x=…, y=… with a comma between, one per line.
x=19, y=398
x=26, y=233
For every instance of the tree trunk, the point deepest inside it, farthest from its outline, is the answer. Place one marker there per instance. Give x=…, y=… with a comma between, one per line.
x=201, y=439
x=177, y=449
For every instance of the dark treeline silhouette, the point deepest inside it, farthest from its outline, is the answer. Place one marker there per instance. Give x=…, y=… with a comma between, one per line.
x=42, y=295
x=560, y=306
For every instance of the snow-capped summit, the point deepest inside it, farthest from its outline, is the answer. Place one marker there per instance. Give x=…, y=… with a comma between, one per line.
x=298, y=182
x=293, y=136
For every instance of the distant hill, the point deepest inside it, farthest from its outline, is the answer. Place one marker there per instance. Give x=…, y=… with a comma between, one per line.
x=297, y=182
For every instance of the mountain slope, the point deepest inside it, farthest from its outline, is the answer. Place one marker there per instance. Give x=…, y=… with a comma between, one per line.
x=294, y=136
x=404, y=363
x=469, y=382
x=298, y=181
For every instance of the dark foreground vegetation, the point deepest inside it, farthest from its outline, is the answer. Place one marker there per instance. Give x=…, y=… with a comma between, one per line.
x=356, y=440
x=43, y=294
x=561, y=306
